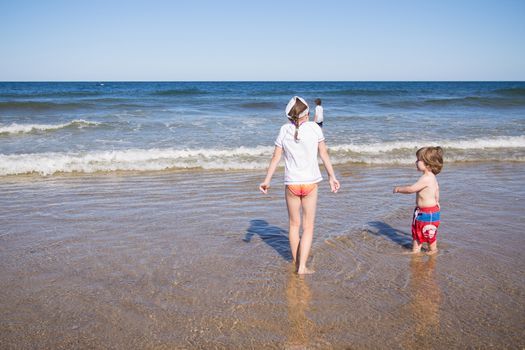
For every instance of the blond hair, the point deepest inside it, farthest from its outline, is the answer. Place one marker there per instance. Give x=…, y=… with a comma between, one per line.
x=432, y=157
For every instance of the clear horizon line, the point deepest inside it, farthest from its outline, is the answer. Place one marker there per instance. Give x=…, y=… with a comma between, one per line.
x=261, y=81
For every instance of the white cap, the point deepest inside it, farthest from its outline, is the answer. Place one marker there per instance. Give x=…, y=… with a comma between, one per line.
x=292, y=103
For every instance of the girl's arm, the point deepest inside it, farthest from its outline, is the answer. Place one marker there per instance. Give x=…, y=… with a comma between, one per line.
x=265, y=185
x=418, y=186
x=323, y=153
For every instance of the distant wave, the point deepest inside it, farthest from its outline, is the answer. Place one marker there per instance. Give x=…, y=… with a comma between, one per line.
x=51, y=94
x=366, y=92
x=179, y=92
x=478, y=102
x=27, y=128
x=470, y=101
x=275, y=92
x=518, y=91
x=38, y=105
x=510, y=148
x=260, y=105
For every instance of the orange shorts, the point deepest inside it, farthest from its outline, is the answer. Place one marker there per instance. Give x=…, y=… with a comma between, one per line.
x=301, y=190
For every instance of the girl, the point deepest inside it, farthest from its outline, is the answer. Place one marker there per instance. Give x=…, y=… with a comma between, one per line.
x=300, y=141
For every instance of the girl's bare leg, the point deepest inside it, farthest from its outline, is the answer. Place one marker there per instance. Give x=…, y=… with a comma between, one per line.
x=309, y=204
x=293, y=203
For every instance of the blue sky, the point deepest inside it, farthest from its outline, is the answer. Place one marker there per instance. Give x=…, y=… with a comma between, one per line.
x=262, y=40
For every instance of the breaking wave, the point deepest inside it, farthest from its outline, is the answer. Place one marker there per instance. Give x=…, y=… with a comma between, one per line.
x=511, y=148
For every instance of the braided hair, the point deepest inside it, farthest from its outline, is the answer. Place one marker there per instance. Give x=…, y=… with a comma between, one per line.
x=295, y=114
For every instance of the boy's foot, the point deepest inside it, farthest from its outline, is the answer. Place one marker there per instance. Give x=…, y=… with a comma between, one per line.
x=432, y=252
x=305, y=271
x=412, y=252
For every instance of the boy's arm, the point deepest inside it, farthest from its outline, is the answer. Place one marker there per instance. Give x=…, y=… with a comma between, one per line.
x=437, y=197
x=418, y=186
x=265, y=185
x=323, y=153
x=315, y=116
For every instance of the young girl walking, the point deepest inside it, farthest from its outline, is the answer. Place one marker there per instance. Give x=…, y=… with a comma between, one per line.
x=301, y=141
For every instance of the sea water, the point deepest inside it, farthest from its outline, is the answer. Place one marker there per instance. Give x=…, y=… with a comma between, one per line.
x=130, y=217
x=48, y=128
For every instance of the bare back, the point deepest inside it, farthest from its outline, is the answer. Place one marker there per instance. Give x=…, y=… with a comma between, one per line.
x=429, y=195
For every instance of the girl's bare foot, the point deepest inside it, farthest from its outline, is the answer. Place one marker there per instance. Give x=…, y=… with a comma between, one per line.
x=305, y=271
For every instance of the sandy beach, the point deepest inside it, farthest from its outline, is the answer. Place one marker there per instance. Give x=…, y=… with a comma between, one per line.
x=186, y=260
x=135, y=138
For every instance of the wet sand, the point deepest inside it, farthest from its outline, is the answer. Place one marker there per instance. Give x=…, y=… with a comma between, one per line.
x=201, y=260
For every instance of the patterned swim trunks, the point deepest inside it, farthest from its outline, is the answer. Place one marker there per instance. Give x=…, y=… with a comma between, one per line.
x=425, y=224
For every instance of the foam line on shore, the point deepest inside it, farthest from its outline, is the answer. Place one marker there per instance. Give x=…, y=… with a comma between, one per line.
x=250, y=158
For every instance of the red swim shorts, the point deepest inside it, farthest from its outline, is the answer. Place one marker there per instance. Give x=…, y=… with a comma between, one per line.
x=425, y=224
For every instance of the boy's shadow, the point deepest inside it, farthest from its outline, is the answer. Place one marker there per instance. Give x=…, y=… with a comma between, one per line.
x=274, y=236
x=383, y=229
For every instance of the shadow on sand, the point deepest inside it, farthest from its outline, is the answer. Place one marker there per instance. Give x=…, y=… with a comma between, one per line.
x=274, y=236
x=380, y=228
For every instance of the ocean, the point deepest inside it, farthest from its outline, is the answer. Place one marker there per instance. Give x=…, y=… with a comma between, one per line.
x=49, y=128
x=130, y=217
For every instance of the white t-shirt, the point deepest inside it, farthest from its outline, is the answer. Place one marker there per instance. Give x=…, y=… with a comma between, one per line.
x=319, y=113
x=300, y=157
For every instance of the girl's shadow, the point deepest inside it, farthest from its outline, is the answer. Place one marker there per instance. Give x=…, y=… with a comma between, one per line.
x=380, y=228
x=274, y=236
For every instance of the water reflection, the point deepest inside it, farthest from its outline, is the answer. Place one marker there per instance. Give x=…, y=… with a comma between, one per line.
x=298, y=298
x=425, y=301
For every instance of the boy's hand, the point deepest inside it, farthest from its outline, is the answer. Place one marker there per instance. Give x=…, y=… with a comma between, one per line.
x=334, y=185
x=264, y=187
x=395, y=189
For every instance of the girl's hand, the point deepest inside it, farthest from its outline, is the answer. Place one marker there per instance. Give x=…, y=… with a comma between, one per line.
x=334, y=184
x=264, y=187
x=394, y=190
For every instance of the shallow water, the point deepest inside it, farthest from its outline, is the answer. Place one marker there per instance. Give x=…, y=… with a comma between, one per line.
x=201, y=259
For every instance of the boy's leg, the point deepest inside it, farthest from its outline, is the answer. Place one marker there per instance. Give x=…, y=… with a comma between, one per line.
x=293, y=203
x=309, y=205
x=416, y=246
x=433, y=248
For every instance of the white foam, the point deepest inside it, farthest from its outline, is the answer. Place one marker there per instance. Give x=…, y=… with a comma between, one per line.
x=481, y=143
x=156, y=159
x=15, y=128
x=133, y=160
